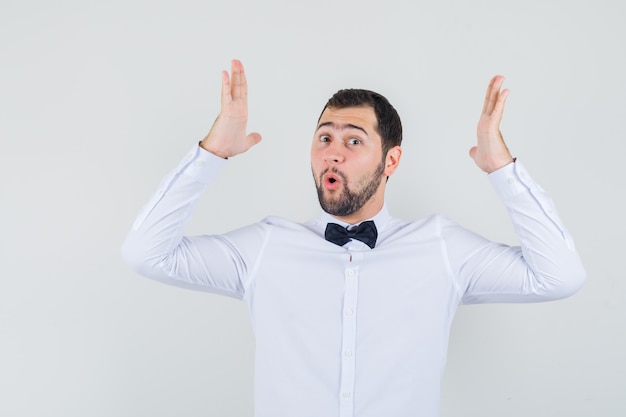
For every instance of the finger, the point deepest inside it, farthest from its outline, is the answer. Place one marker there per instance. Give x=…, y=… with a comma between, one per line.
x=498, y=109
x=226, y=97
x=239, y=84
x=493, y=94
x=488, y=94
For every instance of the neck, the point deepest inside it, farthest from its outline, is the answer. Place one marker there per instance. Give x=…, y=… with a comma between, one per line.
x=366, y=212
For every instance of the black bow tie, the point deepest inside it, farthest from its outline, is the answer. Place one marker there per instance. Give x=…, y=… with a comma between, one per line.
x=365, y=232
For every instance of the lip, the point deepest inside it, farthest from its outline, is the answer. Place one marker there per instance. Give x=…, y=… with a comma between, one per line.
x=331, y=181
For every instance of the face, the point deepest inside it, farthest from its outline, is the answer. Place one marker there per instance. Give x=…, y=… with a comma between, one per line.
x=347, y=163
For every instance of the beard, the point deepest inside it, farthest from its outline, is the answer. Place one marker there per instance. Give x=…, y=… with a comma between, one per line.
x=349, y=201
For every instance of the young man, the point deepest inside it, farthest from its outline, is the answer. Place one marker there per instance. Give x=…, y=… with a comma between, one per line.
x=351, y=311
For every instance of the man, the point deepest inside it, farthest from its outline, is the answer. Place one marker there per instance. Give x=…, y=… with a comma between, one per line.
x=356, y=325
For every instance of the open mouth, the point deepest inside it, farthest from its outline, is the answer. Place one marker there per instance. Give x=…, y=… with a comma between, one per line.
x=331, y=181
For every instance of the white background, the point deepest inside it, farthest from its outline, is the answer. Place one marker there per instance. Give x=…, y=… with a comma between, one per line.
x=99, y=100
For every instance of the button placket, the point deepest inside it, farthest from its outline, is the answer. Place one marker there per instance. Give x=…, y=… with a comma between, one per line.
x=348, y=342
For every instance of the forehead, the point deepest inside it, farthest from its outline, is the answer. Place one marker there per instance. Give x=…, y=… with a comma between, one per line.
x=362, y=117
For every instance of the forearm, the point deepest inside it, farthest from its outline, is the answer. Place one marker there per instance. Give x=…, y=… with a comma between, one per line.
x=546, y=244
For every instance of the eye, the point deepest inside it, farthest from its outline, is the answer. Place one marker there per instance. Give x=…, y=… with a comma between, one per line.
x=324, y=138
x=354, y=141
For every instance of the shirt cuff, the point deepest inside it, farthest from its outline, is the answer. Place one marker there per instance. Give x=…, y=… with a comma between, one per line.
x=201, y=165
x=511, y=180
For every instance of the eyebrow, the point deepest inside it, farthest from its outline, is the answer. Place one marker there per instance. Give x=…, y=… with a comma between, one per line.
x=344, y=126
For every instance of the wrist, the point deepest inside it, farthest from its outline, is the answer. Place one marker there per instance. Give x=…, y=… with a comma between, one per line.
x=207, y=146
x=502, y=165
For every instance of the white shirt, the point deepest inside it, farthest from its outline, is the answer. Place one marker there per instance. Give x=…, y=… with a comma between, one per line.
x=353, y=331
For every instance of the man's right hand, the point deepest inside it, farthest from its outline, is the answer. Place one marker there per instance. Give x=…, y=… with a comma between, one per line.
x=228, y=135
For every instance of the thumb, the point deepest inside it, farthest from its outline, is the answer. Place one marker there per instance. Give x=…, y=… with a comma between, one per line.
x=472, y=151
x=253, y=138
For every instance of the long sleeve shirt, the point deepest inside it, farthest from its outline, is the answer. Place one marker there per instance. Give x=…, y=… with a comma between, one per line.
x=352, y=331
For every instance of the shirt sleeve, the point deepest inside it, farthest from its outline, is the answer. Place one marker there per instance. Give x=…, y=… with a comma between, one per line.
x=156, y=247
x=545, y=266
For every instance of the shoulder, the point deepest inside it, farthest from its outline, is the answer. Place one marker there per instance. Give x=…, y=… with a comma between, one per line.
x=426, y=228
x=281, y=222
x=434, y=221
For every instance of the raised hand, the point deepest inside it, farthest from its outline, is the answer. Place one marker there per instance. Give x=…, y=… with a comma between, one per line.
x=228, y=135
x=491, y=152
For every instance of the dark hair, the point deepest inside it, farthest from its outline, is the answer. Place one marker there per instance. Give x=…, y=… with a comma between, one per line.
x=389, y=125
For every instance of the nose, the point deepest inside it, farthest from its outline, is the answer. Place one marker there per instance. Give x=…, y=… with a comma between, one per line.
x=333, y=154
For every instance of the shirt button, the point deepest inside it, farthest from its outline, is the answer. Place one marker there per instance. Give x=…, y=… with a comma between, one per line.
x=349, y=312
x=350, y=272
x=348, y=353
x=199, y=163
x=511, y=180
x=345, y=394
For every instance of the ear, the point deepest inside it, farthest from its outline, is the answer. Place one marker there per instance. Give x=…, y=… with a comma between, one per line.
x=392, y=160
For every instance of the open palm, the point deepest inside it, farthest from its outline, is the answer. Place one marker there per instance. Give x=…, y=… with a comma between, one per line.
x=228, y=135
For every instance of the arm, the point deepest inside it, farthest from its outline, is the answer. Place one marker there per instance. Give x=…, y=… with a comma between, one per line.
x=156, y=247
x=546, y=265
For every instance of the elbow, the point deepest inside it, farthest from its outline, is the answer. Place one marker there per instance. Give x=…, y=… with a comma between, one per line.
x=571, y=281
x=576, y=277
x=143, y=258
x=576, y=282
x=131, y=256
x=573, y=285
x=135, y=256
